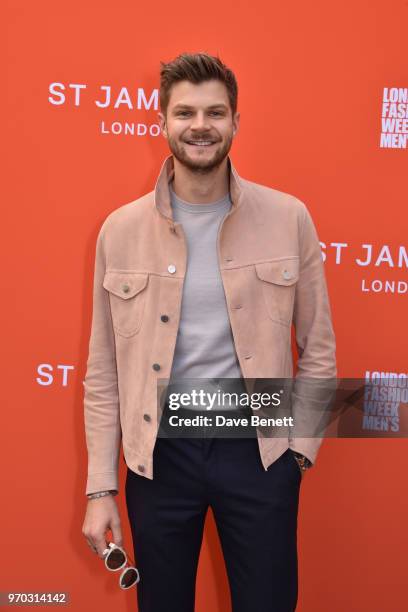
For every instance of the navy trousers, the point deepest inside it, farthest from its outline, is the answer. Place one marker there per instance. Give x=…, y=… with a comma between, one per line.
x=255, y=513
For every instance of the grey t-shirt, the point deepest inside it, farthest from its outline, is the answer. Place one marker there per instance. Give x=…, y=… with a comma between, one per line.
x=204, y=346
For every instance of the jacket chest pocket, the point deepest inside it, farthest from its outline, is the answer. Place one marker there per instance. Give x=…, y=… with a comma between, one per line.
x=127, y=296
x=279, y=280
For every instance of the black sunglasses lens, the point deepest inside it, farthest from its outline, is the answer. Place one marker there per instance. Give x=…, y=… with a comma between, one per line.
x=116, y=559
x=129, y=578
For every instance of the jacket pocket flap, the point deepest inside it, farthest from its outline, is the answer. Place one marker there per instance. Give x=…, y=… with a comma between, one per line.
x=281, y=272
x=124, y=284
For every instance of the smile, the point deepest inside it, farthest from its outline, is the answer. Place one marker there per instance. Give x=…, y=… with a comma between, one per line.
x=200, y=143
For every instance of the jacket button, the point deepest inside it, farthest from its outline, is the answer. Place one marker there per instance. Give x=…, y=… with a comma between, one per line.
x=125, y=288
x=141, y=468
x=147, y=417
x=171, y=268
x=156, y=366
x=287, y=275
x=164, y=318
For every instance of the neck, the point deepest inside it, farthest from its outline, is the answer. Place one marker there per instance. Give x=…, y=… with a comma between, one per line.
x=201, y=188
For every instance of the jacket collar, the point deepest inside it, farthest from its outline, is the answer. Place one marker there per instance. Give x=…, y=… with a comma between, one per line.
x=162, y=199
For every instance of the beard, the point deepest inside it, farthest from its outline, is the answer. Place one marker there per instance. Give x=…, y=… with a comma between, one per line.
x=200, y=165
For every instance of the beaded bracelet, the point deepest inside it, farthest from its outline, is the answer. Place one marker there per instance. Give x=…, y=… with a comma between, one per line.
x=101, y=494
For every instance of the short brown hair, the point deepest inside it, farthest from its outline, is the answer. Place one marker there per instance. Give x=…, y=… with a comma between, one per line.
x=196, y=68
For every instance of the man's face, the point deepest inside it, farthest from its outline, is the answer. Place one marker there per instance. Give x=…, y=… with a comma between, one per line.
x=199, y=125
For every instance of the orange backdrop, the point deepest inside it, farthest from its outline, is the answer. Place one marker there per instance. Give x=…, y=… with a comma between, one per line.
x=312, y=81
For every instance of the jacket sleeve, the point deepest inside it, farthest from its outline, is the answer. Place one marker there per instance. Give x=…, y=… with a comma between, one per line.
x=315, y=381
x=101, y=399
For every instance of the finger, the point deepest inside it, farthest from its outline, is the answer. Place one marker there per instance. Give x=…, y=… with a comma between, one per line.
x=100, y=545
x=117, y=534
x=91, y=546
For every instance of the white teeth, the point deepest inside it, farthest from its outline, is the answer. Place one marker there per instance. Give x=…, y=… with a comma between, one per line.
x=205, y=143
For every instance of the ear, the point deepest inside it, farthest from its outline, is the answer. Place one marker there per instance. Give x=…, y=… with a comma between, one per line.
x=162, y=124
x=235, y=123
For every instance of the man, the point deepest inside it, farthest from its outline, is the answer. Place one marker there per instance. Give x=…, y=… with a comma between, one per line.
x=200, y=278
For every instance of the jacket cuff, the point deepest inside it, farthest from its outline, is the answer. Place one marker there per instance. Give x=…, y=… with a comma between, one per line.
x=104, y=481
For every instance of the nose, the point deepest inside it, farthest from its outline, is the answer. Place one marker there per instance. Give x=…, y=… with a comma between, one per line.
x=200, y=121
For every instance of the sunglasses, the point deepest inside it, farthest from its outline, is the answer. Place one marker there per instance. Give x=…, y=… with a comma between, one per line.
x=115, y=560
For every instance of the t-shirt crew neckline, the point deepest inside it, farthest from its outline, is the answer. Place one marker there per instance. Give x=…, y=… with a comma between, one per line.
x=199, y=208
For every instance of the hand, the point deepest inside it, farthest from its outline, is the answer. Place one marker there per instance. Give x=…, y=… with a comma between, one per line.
x=102, y=514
